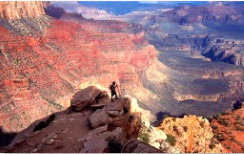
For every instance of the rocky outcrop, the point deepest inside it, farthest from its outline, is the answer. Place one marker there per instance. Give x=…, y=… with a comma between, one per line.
x=191, y=134
x=135, y=146
x=228, y=128
x=87, y=12
x=155, y=137
x=17, y=10
x=223, y=50
x=102, y=127
x=87, y=97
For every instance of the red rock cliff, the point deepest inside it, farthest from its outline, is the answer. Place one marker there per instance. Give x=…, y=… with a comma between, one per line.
x=40, y=72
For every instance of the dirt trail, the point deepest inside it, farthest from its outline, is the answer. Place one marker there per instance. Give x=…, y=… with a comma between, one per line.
x=190, y=134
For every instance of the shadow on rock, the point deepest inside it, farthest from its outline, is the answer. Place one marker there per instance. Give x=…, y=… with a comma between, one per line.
x=6, y=138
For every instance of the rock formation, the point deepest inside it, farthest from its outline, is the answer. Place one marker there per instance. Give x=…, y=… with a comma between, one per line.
x=224, y=50
x=43, y=55
x=136, y=146
x=17, y=9
x=91, y=124
x=228, y=128
x=191, y=134
x=87, y=12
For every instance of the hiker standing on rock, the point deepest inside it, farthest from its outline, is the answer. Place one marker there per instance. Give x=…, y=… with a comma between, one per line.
x=112, y=88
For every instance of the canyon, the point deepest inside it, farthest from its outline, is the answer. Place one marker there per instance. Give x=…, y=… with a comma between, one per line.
x=106, y=126
x=47, y=60
x=179, y=62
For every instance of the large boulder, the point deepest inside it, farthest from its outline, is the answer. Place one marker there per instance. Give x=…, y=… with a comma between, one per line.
x=117, y=114
x=136, y=146
x=111, y=113
x=88, y=96
x=99, y=142
x=99, y=118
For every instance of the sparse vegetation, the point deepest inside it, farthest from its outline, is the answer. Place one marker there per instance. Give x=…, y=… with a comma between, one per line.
x=67, y=84
x=144, y=135
x=17, y=61
x=214, y=127
x=211, y=146
x=197, y=143
x=239, y=128
x=238, y=117
x=232, y=138
x=52, y=102
x=216, y=116
x=31, y=83
x=185, y=128
x=213, y=143
x=50, y=66
x=220, y=137
x=171, y=140
x=202, y=124
x=222, y=122
x=175, y=128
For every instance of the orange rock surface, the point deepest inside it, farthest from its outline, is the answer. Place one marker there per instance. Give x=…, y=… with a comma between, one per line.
x=192, y=134
x=229, y=130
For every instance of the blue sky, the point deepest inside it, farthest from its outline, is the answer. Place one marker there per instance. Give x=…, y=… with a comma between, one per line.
x=148, y=2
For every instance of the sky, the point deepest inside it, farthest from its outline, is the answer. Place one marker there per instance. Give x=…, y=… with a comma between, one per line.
x=152, y=2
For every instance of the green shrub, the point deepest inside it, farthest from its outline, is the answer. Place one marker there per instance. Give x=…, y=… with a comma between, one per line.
x=171, y=140
x=213, y=143
x=185, y=128
x=202, y=124
x=211, y=146
x=238, y=117
x=220, y=137
x=222, y=122
x=214, y=127
x=144, y=137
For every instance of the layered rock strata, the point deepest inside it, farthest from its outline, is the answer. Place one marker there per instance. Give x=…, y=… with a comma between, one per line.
x=45, y=60
x=17, y=9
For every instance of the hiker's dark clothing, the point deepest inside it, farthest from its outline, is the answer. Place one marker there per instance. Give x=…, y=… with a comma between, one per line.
x=113, y=91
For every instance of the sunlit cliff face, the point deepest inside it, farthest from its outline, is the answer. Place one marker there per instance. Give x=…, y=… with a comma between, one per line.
x=192, y=134
x=40, y=72
x=17, y=9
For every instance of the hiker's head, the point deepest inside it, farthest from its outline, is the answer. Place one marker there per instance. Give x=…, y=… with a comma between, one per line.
x=114, y=83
